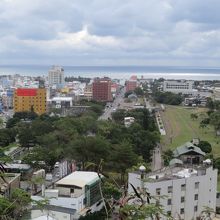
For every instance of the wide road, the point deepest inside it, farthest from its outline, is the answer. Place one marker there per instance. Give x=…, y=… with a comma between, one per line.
x=114, y=105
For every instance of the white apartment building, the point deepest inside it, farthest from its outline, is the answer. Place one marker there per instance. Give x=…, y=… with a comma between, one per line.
x=184, y=87
x=73, y=196
x=182, y=190
x=56, y=77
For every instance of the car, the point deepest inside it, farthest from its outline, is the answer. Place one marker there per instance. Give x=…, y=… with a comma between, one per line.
x=57, y=164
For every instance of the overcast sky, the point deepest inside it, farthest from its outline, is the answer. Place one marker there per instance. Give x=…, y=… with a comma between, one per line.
x=110, y=32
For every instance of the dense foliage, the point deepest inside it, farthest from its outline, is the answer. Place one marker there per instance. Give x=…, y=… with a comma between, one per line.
x=86, y=139
x=168, y=98
x=79, y=78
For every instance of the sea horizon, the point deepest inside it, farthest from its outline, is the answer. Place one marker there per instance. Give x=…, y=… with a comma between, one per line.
x=119, y=72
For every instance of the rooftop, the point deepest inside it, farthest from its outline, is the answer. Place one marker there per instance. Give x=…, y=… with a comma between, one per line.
x=79, y=178
x=176, y=171
x=187, y=148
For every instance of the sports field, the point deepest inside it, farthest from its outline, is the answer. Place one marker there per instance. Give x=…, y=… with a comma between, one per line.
x=180, y=128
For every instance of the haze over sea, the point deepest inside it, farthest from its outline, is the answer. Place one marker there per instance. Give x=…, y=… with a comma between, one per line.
x=119, y=72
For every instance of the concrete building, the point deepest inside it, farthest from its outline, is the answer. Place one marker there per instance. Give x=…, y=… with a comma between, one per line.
x=75, y=195
x=12, y=182
x=101, y=89
x=61, y=102
x=88, y=92
x=26, y=99
x=56, y=77
x=131, y=84
x=183, y=189
x=184, y=87
x=7, y=99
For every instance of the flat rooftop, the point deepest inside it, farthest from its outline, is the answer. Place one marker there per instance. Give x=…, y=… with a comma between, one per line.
x=175, y=172
x=78, y=178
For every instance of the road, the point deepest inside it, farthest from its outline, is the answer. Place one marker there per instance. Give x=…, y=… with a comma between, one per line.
x=114, y=105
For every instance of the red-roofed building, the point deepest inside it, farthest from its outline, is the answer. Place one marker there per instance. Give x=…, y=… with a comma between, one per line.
x=26, y=99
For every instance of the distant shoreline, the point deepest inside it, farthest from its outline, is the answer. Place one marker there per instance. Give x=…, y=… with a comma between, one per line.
x=119, y=72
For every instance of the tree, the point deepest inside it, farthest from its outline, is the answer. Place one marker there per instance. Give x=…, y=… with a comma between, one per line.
x=215, y=120
x=128, y=93
x=216, y=163
x=123, y=158
x=139, y=91
x=88, y=149
x=167, y=156
x=168, y=98
x=210, y=104
x=193, y=116
x=204, y=123
x=205, y=146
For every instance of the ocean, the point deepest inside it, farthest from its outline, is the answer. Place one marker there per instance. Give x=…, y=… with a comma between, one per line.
x=119, y=72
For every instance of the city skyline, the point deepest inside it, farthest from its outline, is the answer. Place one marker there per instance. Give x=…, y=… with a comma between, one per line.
x=161, y=32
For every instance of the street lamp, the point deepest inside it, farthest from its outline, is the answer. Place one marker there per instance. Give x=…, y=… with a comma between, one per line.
x=142, y=169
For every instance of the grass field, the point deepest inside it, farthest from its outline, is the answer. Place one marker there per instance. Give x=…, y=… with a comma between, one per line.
x=181, y=128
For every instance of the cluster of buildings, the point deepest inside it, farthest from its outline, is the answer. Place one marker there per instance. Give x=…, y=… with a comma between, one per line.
x=37, y=94
x=196, y=93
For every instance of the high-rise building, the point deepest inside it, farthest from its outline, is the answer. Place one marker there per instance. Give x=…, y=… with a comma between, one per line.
x=131, y=84
x=26, y=99
x=101, y=89
x=56, y=76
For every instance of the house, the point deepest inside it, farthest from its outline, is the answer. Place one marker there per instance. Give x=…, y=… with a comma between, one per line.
x=189, y=153
x=74, y=195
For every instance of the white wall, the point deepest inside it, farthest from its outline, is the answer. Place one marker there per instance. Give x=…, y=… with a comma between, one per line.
x=206, y=193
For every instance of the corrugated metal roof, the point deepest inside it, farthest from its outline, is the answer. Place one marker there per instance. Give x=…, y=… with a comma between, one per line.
x=186, y=148
x=78, y=178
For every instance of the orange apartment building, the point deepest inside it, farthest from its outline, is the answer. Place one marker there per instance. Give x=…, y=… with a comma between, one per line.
x=26, y=99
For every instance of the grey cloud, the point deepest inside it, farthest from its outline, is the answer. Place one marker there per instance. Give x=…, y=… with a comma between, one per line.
x=110, y=31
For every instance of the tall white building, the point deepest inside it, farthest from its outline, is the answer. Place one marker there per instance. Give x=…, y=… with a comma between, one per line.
x=182, y=189
x=56, y=76
x=181, y=86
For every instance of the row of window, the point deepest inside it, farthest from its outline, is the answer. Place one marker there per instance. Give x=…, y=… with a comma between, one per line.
x=170, y=188
x=182, y=211
x=177, y=87
x=182, y=199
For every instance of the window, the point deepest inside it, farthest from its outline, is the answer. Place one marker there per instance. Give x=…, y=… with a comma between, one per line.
x=182, y=211
x=158, y=191
x=182, y=199
x=183, y=187
x=196, y=197
x=196, y=185
x=169, y=213
x=169, y=202
x=195, y=208
x=170, y=189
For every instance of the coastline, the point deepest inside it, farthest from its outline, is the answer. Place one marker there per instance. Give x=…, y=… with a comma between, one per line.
x=119, y=72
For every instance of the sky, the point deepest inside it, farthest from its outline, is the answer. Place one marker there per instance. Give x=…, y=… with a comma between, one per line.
x=110, y=32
